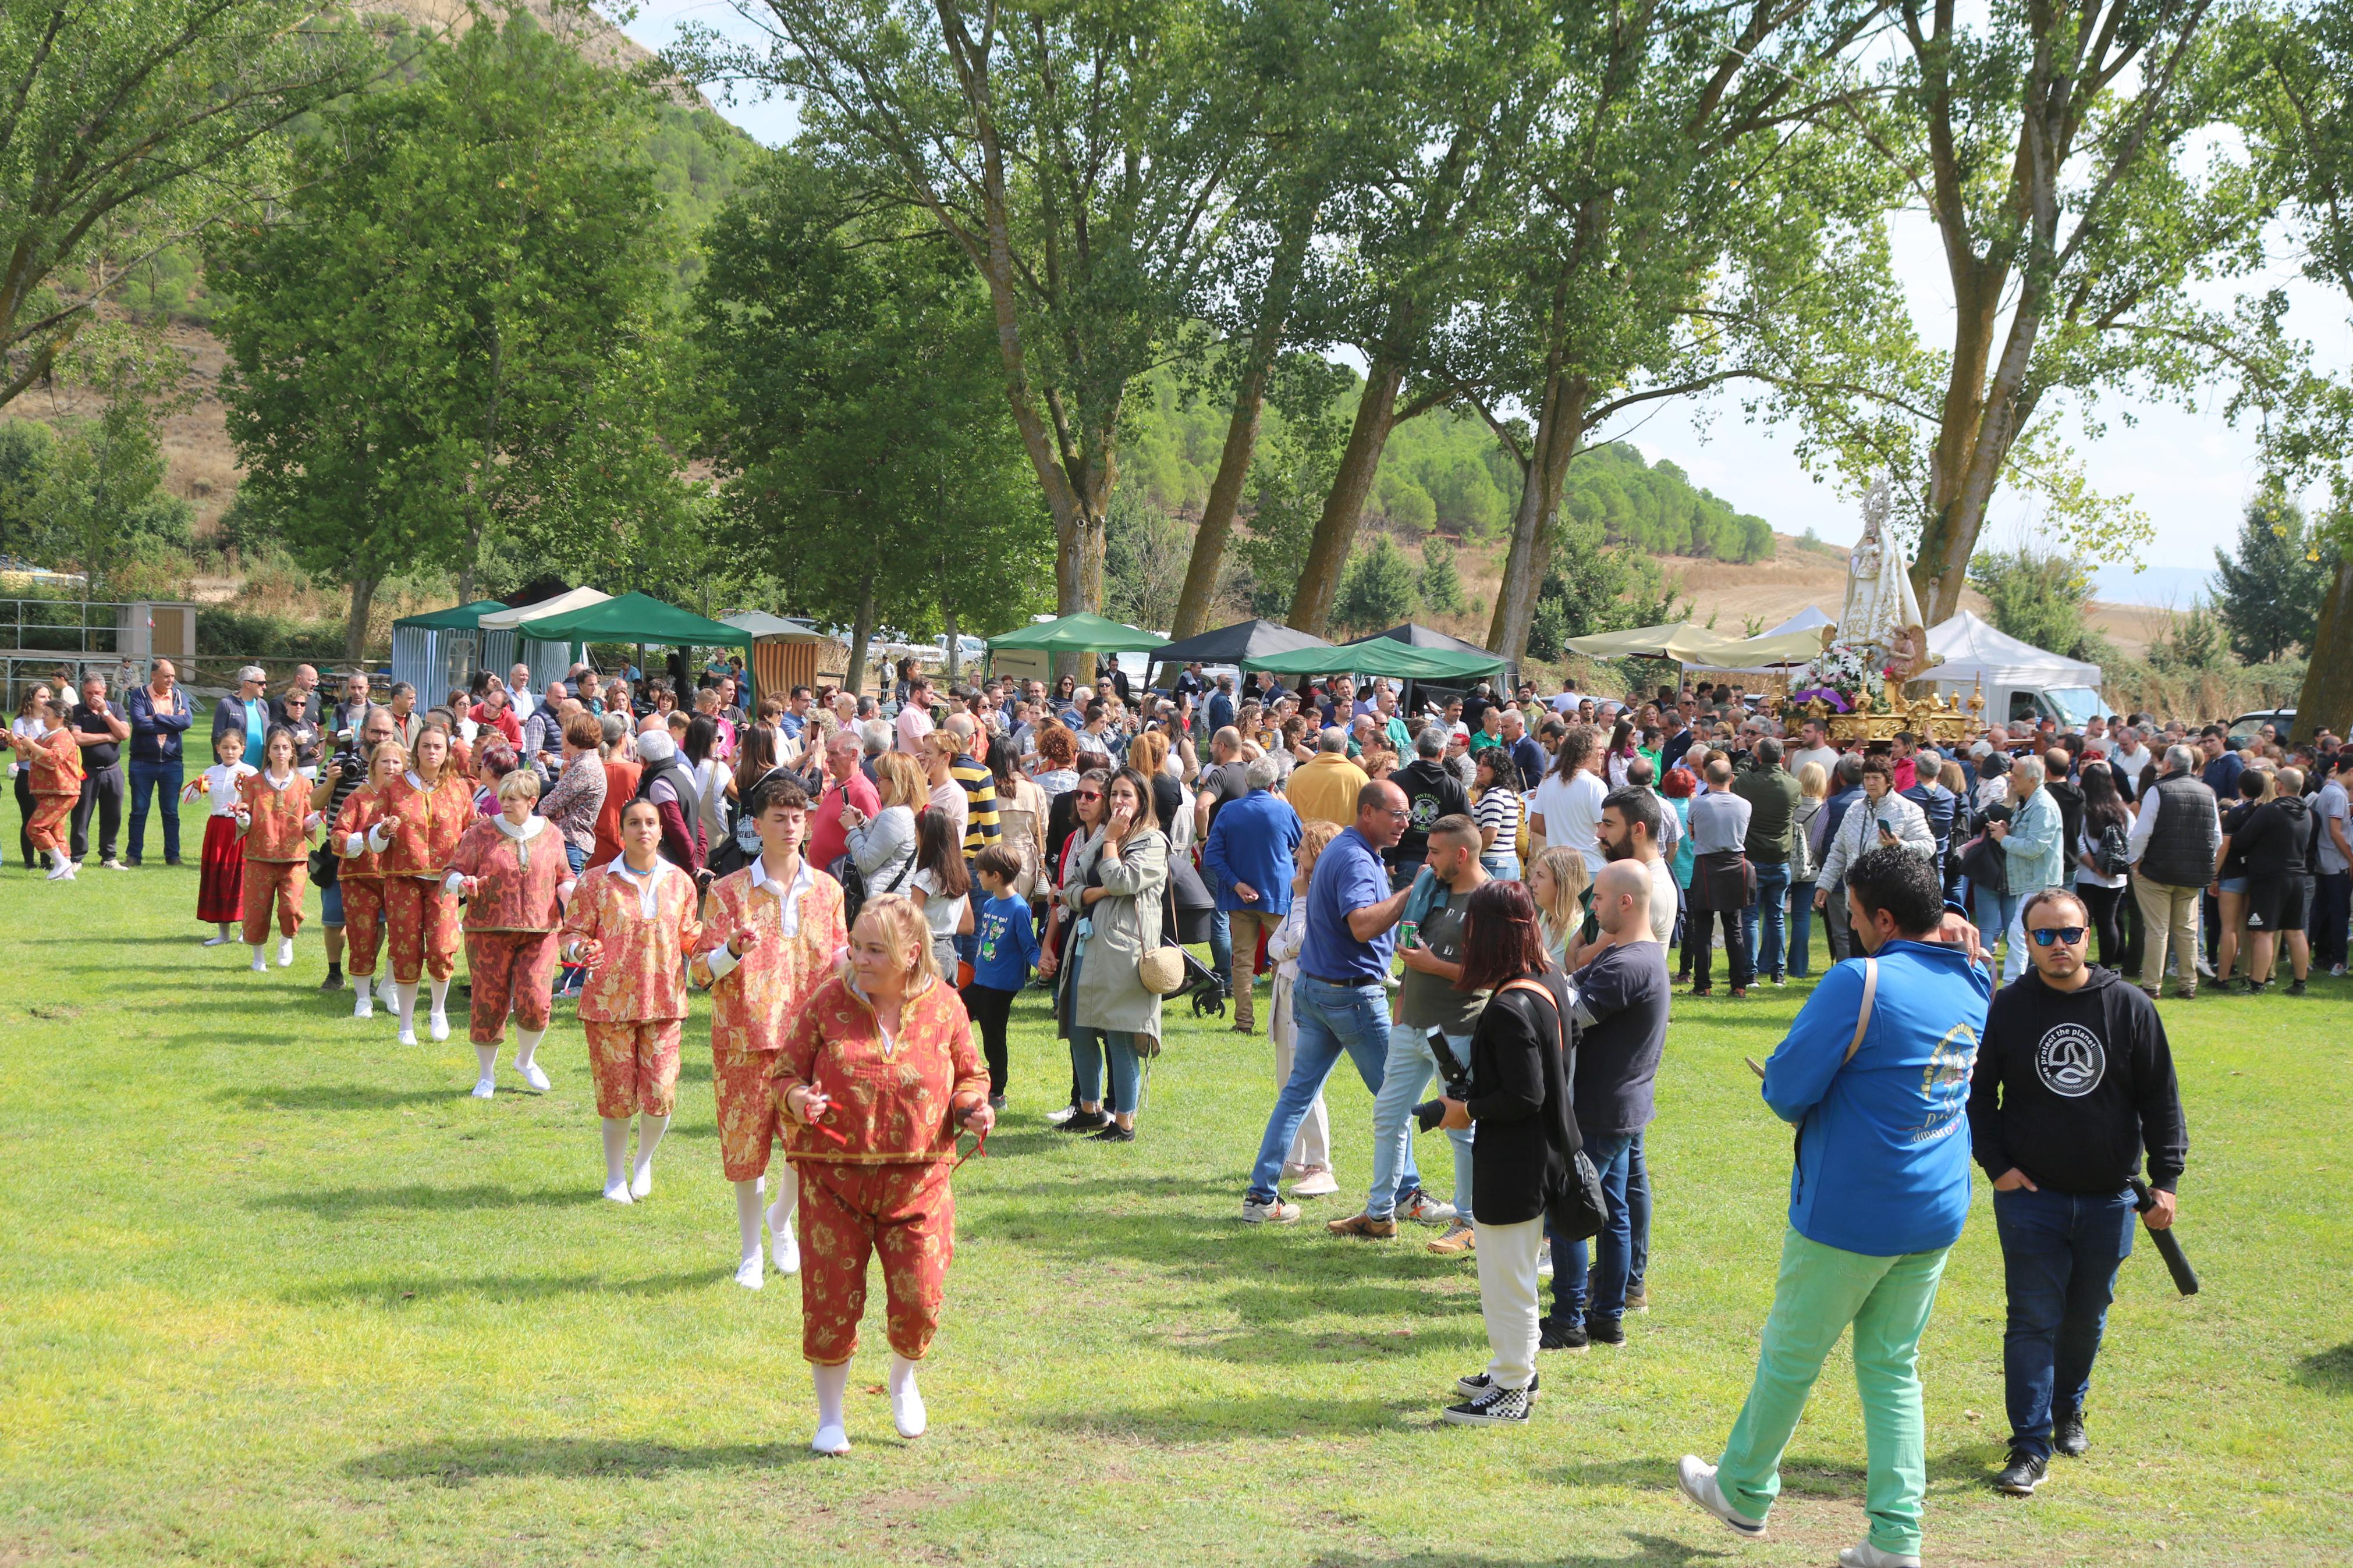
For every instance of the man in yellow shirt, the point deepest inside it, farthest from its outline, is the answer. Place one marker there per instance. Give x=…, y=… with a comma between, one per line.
x=1325, y=789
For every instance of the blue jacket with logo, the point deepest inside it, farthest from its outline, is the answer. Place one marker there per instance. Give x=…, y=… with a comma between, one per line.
x=1883, y=1161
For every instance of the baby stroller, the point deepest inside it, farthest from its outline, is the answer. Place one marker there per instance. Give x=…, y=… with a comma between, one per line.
x=1189, y=913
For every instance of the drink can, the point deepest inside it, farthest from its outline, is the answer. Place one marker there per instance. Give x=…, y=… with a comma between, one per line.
x=1409, y=932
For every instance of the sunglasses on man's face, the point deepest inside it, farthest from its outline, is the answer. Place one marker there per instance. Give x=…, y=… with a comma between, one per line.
x=2045, y=935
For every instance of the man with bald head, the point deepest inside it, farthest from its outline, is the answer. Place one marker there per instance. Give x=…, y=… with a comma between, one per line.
x=1340, y=1002
x=1621, y=1005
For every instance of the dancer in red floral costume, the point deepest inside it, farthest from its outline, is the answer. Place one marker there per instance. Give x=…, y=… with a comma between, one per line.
x=423, y=814
x=772, y=933
x=273, y=813
x=631, y=922
x=877, y=1074
x=361, y=874
x=512, y=869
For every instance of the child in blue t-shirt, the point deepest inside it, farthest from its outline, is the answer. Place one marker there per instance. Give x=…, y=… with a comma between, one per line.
x=1007, y=949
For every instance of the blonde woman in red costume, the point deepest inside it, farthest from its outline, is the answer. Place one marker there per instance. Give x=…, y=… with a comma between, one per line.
x=515, y=875
x=425, y=812
x=361, y=875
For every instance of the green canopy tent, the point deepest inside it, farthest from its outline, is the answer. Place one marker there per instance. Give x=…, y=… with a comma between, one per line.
x=1380, y=657
x=1083, y=633
x=641, y=619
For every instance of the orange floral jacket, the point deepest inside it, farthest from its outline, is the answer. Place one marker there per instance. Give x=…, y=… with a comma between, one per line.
x=752, y=1003
x=894, y=1103
x=642, y=975
x=275, y=817
x=56, y=763
x=519, y=879
x=431, y=823
x=361, y=808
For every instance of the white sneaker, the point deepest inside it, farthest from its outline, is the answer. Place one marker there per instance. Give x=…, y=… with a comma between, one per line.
x=830, y=1441
x=216, y=940
x=438, y=1025
x=1424, y=1209
x=534, y=1075
x=785, y=1249
x=485, y=1086
x=1869, y=1557
x=73, y=869
x=59, y=872
x=114, y=865
x=260, y=966
x=2337, y=970
x=642, y=1185
x=285, y=953
x=1696, y=1480
x=753, y=1273
x=364, y=1008
x=907, y=1412
x=1275, y=1213
x=407, y=1035
x=1056, y=1118
x=616, y=1192
x=1316, y=1184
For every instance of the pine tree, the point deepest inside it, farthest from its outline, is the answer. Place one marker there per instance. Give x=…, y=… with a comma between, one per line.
x=1441, y=586
x=1378, y=591
x=2270, y=597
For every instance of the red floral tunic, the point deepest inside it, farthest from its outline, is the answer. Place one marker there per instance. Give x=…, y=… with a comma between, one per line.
x=361, y=808
x=519, y=877
x=56, y=763
x=274, y=817
x=895, y=1101
x=753, y=1003
x=642, y=975
x=430, y=824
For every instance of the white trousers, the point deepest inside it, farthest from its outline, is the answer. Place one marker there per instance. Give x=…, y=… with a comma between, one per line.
x=1508, y=1297
x=1311, y=1150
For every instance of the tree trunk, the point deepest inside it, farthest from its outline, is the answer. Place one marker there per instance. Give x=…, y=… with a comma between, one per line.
x=355, y=628
x=1242, y=430
x=1560, y=431
x=2326, y=699
x=1335, y=530
x=853, y=680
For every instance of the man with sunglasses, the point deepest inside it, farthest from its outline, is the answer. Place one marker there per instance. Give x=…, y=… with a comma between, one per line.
x=2074, y=1079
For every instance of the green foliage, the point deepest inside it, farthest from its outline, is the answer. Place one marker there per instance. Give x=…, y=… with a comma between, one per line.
x=1378, y=591
x=2271, y=585
x=1144, y=554
x=2040, y=599
x=1441, y=586
x=1596, y=587
x=26, y=448
x=2194, y=643
x=1657, y=510
x=1308, y=405
x=456, y=339
x=222, y=629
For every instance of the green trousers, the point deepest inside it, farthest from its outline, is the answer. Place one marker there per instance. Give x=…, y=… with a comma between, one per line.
x=1820, y=1291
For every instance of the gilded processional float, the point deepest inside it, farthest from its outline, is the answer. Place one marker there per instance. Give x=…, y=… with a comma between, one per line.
x=1865, y=685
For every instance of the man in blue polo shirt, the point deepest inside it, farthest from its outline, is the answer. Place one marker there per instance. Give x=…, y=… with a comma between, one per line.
x=1340, y=1000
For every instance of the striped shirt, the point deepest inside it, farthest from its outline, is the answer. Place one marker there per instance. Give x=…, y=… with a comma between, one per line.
x=1499, y=808
x=980, y=800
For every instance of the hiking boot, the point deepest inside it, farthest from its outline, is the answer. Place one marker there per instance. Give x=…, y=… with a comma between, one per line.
x=1740, y=994
x=1459, y=1240
x=1638, y=1297
x=1364, y=1226
x=2021, y=1475
x=1557, y=1335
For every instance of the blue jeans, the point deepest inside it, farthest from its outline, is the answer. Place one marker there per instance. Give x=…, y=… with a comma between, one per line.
x=1995, y=912
x=165, y=779
x=1638, y=1214
x=1330, y=1020
x=1613, y=1158
x=1221, y=947
x=1408, y=1071
x=1505, y=868
x=1090, y=1047
x=2059, y=1253
x=1773, y=903
x=1801, y=924
x=330, y=904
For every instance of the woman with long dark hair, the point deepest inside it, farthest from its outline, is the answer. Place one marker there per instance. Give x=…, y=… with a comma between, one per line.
x=1519, y=1104
x=941, y=886
x=1115, y=887
x=2101, y=893
x=700, y=751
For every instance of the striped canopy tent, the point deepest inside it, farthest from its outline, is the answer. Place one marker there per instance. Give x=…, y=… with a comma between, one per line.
x=785, y=653
x=504, y=646
x=438, y=653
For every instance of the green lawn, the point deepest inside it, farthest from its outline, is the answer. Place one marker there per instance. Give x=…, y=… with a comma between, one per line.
x=276, y=1291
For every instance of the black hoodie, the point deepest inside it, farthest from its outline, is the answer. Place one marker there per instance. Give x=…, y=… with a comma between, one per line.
x=2069, y=1086
x=2277, y=838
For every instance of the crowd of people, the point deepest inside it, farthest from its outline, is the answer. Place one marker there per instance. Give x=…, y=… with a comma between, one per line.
x=863, y=881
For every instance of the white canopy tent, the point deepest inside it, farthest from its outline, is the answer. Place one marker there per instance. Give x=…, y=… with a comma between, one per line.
x=1975, y=652
x=1805, y=620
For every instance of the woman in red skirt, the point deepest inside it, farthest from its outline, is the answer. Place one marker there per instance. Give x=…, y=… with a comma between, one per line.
x=425, y=811
x=220, y=888
x=273, y=814
x=515, y=874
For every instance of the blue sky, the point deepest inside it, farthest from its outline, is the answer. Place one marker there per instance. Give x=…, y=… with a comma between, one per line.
x=2188, y=469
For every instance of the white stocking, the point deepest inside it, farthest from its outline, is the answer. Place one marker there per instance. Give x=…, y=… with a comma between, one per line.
x=404, y=996
x=832, y=1382
x=907, y=1411
x=748, y=1215
x=526, y=1042
x=616, y=1150
x=488, y=1057
x=789, y=1195
x=650, y=1136
x=441, y=996
x=361, y=984
x=257, y=960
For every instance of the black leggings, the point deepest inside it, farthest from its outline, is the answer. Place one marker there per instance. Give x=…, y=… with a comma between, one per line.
x=990, y=1008
x=2104, y=906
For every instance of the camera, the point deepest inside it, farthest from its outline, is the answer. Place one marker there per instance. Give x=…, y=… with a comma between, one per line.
x=1429, y=1112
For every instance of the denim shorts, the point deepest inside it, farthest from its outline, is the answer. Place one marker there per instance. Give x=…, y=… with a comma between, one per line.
x=330, y=904
x=2234, y=884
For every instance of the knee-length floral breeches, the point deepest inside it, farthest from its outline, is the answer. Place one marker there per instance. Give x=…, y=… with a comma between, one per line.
x=510, y=971
x=421, y=929
x=635, y=1066
x=363, y=924
x=269, y=883
x=46, y=828
x=748, y=1113
x=904, y=1212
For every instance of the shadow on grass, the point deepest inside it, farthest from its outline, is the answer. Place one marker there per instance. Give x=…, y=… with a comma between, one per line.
x=2329, y=1371
x=333, y=1097
x=459, y=1463
x=1648, y=1552
x=344, y=1202
x=393, y=1290
x=1222, y=1420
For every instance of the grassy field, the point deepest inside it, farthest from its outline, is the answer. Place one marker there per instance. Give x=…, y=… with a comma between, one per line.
x=275, y=1291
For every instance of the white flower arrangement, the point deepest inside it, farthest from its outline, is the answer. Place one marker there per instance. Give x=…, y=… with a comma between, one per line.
x=1846, y=667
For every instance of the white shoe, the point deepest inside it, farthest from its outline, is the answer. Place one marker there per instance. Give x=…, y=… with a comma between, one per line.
x=907, y=1412
x=438, y=1026
x=753, y=1273
x=485, y=1086
x=616, y=1192
x=73, y=869
x=285, y=953
x=407, y=1035
x=1869, y=1557
x=364, y=1008
x=786, y=1251
x=114, y=865
x=1317, y=1184
x=1696, y=1480
x=59, y=872
x=534, y=1075
x=216, y=940
x=642, y=1185
x=261, y=966
x=830, y=1441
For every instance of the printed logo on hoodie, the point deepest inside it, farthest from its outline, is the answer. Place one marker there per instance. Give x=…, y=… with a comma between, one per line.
x=2071, y=1061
